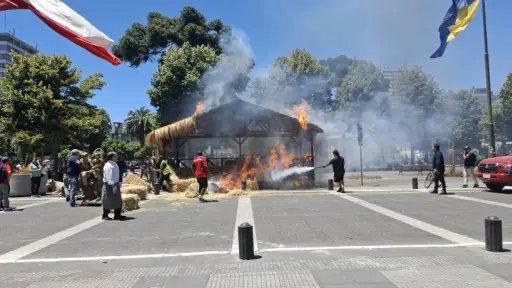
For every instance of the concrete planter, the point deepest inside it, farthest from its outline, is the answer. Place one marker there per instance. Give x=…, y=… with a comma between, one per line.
x=20, y=185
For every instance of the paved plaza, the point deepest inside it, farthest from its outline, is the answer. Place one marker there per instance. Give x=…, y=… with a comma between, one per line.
x=315, y=238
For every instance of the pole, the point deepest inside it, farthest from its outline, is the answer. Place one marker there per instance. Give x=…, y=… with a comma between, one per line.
x=361, y=162
x=492, y=141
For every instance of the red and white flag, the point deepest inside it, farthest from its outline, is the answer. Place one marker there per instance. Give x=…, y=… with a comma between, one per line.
x=67, y=23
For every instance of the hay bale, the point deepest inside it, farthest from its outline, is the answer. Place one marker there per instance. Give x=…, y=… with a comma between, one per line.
x=130, y=202
x=54, y=186
x=192, y=190
x=138, y=190
x=252, y=185
x=133, y=179
x=236, y=192
x=181, y=185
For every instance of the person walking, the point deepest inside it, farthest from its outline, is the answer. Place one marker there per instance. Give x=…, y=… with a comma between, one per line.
x=35, y=177
x=5, y=175
x=338, y=167
x=111, y=191
x=439, y=168
x=199, y=166
x=165, y=174
x=469, y=158
x=73, y=167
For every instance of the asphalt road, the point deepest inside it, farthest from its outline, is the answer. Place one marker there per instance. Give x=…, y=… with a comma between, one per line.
x=304, y=239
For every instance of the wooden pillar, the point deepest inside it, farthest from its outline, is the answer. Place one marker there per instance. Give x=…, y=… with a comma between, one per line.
x=312, y=151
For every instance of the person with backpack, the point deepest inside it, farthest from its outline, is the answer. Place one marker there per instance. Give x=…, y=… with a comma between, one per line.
x=5, y=174
x=338, y=167
x=470, y=162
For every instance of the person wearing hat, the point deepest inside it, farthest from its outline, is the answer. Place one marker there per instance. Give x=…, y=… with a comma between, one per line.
x=5, y=175
x=73, y=167
x=111, y=193
x=338, y=167
x=469, y=167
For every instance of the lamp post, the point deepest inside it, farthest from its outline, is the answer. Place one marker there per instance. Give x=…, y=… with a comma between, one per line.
x=117, y=126
x=492, y=142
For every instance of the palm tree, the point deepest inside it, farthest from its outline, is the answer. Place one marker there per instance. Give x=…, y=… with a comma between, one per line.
x=140, y=122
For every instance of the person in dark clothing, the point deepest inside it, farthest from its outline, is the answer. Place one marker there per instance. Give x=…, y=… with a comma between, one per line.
x=123, y=168
x=439, y=168
x=338, y=167
x=73, y=168
x=469, y=167
x=199, y=166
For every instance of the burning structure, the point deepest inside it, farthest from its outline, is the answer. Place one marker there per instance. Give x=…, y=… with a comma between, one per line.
x=240, y=121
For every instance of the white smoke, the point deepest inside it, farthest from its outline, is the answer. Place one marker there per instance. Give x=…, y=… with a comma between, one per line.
x=280, y=175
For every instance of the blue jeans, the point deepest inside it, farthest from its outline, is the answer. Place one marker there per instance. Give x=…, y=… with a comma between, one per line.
x=73, y=186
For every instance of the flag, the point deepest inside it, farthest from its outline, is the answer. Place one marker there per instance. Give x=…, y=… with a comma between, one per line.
x=67, y=23
x=455, y=21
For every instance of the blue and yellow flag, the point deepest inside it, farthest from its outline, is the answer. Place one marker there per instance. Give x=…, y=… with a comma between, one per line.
x=455, y=21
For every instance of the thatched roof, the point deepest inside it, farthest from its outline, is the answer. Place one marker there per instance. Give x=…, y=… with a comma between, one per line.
x=231, y=120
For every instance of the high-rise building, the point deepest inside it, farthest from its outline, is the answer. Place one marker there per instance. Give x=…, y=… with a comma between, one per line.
x=481, y=96
x=10, y=43
x=391, y=74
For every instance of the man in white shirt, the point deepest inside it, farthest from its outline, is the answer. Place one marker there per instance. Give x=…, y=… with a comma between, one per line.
x=111, y=193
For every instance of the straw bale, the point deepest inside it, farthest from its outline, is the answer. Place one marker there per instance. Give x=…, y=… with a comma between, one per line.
x=54, y=186
x=140, y=191
x=156, y=138
x=130, y=202
x=192, y=190
x=133, y=179
x=181, y=185
x=252, y=185
x=236, y=192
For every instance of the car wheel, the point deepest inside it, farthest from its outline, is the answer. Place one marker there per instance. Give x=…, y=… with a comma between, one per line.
x=495, y=187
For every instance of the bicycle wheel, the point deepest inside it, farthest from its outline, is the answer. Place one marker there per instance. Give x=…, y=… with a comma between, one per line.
x=429, y=179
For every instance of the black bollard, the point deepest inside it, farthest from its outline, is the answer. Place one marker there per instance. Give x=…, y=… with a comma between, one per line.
x=156, y=189
x=244, y=185
x=414, y=183
x=245, y=241
x=493, y=234
x=330, y=185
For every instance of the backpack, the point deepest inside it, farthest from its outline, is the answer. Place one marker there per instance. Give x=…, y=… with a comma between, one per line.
x=478, y=159
x=3, y=173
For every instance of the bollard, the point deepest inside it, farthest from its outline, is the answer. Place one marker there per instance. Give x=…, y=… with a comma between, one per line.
x=156, y=189
x=330, y=185
x=414, y=183
x=493, y=234
x=244, y=185
x=245, y=242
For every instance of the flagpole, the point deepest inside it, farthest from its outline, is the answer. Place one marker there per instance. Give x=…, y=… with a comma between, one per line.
x=492, y=141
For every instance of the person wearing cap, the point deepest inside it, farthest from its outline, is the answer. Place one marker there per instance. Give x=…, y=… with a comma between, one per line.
x=469, y=167
x=111, y=193
x=338, y=167
x=439, y=168
x=165, y=174
x=73, y=167
x=5, y=170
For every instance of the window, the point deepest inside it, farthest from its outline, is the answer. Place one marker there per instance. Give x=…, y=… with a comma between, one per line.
x=5, y=57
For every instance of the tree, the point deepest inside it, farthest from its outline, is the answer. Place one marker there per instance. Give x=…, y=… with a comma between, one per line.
x=338, y=68
x=466, y=112
x=45, y=98
x=360, y=86
x=294, y=79
x=128, y=149
x=140, y=122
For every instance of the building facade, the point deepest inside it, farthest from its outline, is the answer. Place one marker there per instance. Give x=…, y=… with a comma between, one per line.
x=481, y=96
x=390, y=75
x=8, y=44
x=123, y=135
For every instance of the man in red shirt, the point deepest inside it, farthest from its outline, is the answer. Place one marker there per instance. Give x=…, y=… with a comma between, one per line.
x=5, y=175
x=199, y=165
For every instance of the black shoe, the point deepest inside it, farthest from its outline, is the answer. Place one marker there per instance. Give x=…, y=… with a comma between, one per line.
x=67, y=199
x=105, y=217
x=339, y=190
x=433, y=192
x=476, y=186
x=120, y=217
x=464, y=186
x=201, y=199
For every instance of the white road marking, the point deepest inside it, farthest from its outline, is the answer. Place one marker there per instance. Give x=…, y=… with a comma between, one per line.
x=33, y=247
x=481, y=201
x=438, y=231
x=373, y=247
x=244, y=214
x=124, y=257
x=26, y=206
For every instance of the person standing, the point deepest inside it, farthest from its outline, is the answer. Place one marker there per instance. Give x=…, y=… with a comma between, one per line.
x=73, y=167
x=469, y=167
x=5, y=175
x=338, y=167
x=35, y=177
x=111, y=193
x=165, y=174
x=199, y=166
x=439, y=168
x=123, y=168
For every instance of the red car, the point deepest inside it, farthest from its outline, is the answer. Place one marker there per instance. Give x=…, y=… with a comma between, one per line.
x=495, y=173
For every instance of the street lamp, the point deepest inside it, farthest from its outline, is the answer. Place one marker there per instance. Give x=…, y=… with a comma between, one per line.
x=117, y=126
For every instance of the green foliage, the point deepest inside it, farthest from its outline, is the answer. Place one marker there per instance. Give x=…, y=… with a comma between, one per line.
x=45, y=103
x=338, y=68
x=465, y=109
x=140, y=122
x=128, y=149
x=143, y=152
x=502, y=116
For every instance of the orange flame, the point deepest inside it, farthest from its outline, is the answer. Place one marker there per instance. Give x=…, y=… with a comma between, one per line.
x=199, y=108
x=302, y=116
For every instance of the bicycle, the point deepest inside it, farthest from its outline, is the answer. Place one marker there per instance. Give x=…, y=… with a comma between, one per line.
x=429, y=179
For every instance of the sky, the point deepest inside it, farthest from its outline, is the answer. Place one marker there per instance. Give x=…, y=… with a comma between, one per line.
x=391, y=33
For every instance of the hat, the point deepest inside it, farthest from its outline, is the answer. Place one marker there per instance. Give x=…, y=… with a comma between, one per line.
x=75, y=152
x=5, y=159
x=467, y=147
